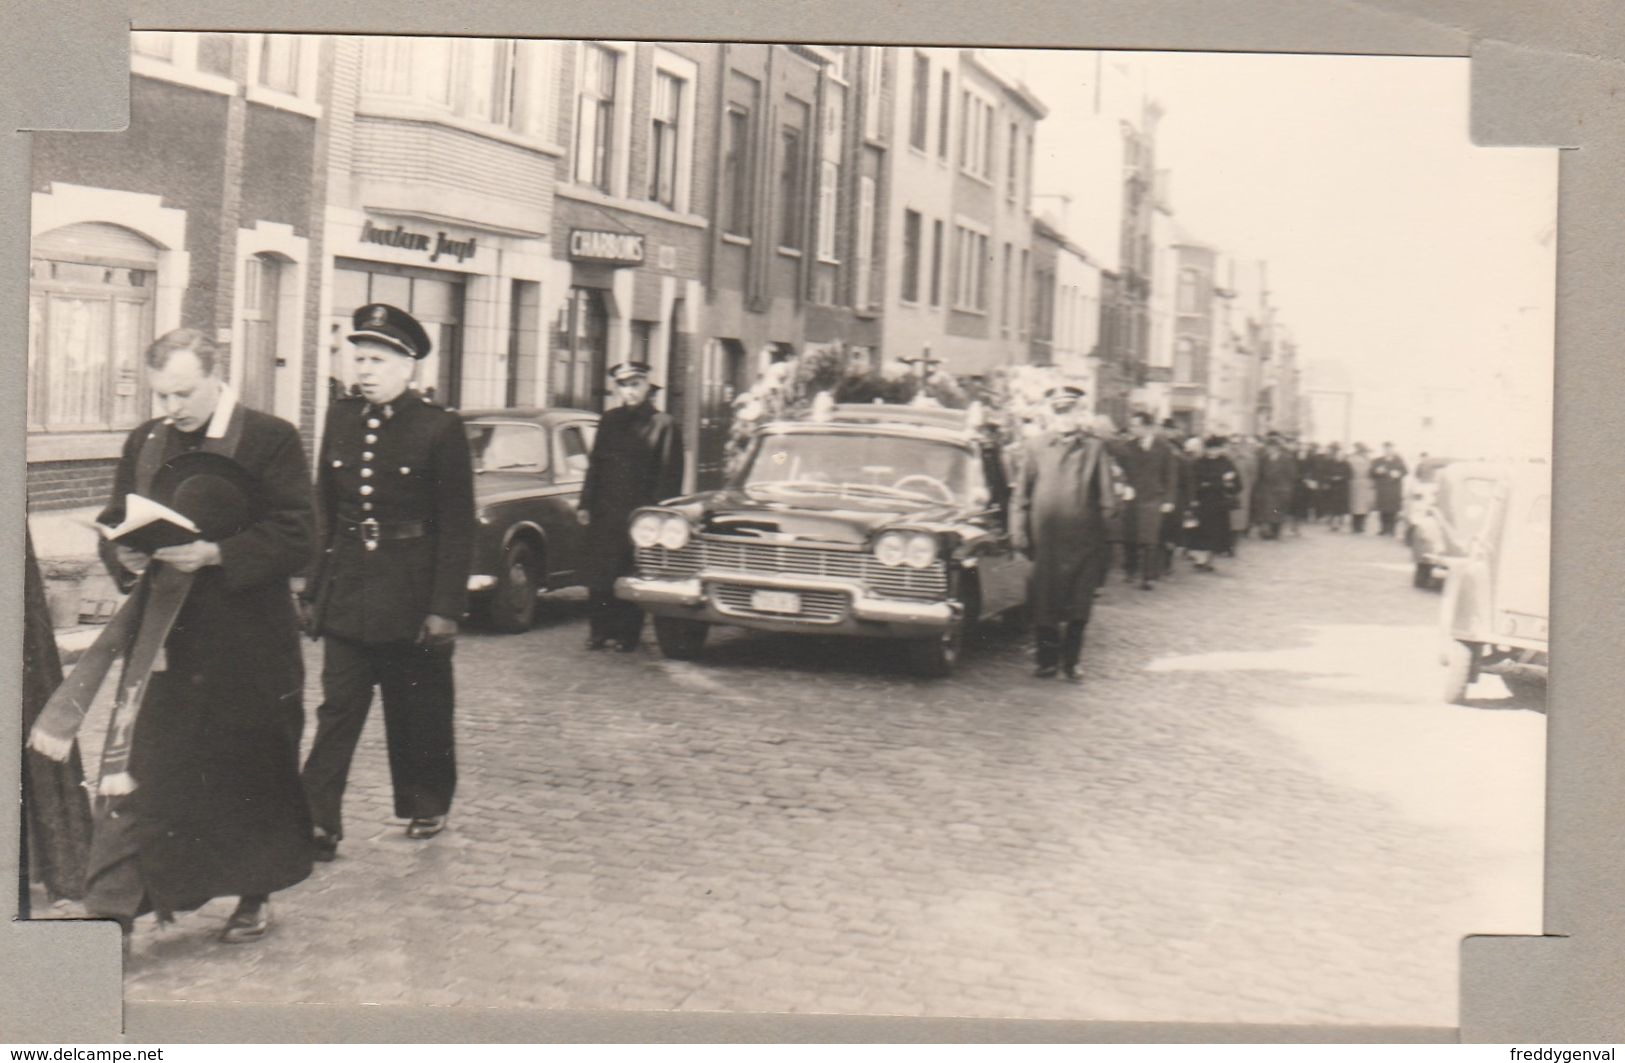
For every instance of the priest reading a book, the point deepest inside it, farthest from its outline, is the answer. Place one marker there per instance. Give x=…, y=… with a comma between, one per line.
x=209, y=520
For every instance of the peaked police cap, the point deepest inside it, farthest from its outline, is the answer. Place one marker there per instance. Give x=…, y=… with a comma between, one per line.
x=393, y=326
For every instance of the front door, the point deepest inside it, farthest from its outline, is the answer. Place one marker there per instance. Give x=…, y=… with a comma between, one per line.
x=579, y=362
x=722, y=367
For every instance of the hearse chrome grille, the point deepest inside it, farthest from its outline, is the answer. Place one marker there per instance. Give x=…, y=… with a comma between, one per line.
x=716, y=554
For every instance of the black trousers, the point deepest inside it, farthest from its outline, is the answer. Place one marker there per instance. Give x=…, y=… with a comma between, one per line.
x=1359, y=523
x=1144, y=560
x=418, y=695
x=1388, y=522
x=612, y=618
x=1060, y=644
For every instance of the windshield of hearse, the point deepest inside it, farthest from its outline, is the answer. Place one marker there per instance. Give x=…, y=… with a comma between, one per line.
x=860, y=467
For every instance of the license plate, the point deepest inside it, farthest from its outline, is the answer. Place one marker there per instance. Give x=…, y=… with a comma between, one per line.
x=775, y=601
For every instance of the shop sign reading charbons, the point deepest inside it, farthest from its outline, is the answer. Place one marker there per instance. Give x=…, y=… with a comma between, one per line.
x=597, y=245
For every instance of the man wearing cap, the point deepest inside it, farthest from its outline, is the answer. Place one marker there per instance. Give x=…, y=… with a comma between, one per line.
x=1388, y=474
x=395, y=532
x=637, y=460
x=213, y=806
x=1064, y=494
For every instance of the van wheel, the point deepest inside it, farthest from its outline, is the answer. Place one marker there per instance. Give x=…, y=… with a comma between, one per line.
x=512, y=607
x=679, y=639
x=1458, y=670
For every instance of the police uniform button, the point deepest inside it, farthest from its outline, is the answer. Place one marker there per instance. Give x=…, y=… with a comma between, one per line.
x=406, y=470
x=366, y=489
x=366, y=474
x=372, y=438
x=366, y=507
x=373, y=422
x=337, y=464
x=366, y=455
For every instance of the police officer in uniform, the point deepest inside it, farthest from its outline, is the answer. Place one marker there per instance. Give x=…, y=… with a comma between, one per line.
x=395, y=512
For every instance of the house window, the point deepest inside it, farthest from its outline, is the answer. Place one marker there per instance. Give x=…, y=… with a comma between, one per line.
x=279, y=62
x=1004, y=294
x=1188, y=303
x=666, y=111
x=829, y=182
x=262, y=298
x=1012, y=162
x=1027, y=188
x=874, y=79
x=154, y=44
x=920, y=102
x=736, y=199
x=936, y=263
x=791, y=211
x=970, y=254
x=595, y=117
x=90, y=314
x=911, y=256
x=976, y=135
x=945, y=105
x=862, y=297
x=1022, y=310
x=1184, y=361
x=498, y=82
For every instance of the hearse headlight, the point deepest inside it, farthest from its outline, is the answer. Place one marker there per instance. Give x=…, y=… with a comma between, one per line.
x=646, y=528
x=921, y=550
x=674, y=531
x=891, y=548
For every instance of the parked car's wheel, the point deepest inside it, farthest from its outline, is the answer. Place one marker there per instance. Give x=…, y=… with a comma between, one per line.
x=512, y=607
x=1422, y=578
x=936, y=658
x=1526, y=688
x=1458, y=670
x=679, y=639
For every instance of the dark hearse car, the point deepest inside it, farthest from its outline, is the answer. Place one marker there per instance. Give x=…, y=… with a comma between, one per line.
x=528, y=469
x=878, y=521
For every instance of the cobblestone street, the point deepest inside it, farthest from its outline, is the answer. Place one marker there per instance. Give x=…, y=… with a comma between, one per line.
x=1256, y=808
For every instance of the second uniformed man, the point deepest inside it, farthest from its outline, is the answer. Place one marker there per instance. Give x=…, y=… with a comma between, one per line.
x=395, y=513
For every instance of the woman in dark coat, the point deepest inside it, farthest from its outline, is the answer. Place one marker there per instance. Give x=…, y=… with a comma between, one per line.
x=1216, y=491
x=1334, y=477
x=1308, y=484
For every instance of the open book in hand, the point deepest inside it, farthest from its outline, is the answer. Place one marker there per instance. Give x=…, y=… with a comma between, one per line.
x=149, y=526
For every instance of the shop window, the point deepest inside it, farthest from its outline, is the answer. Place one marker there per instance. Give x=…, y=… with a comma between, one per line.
x=434, y=297
x=595, y=117
x=91, y=295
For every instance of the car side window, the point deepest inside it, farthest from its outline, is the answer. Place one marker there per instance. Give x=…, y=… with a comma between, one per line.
x=575, y=444
x=507, y=447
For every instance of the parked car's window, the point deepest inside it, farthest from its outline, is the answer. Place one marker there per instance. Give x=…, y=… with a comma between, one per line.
x=507, y=447
x=575, y=444
x=855, y=466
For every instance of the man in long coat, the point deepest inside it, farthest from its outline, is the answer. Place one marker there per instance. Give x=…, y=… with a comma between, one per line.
x=637, y=460
x=1388, y=473
x=217, y=810
x=1244, y=454
x=1277, y=480
x=1152, y=471
x=1362, y=492
x=1064, y=493
x=395, y=508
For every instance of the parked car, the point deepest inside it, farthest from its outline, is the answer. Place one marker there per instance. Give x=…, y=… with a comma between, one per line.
x=528, y=468
x=1420, y=487
x=872, y=521
x=1459, y=502
x=1497, y=597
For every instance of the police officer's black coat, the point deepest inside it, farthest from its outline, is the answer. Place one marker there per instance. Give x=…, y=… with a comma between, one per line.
x=407, y=466
x=637, y=460
x=218, y=810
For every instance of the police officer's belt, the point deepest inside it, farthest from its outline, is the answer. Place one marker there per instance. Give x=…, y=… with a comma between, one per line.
x=372, y=531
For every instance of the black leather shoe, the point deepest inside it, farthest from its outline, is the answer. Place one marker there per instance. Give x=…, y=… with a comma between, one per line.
x=596, y=643
x=1145, y=585
x=425, y=827
x=1045, y=671
x=1072, y=673
x=627, y=645
x=324, y=847
x=248, y=923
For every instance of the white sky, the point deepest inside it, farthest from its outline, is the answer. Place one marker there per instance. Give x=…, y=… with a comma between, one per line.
x=1395, y=246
